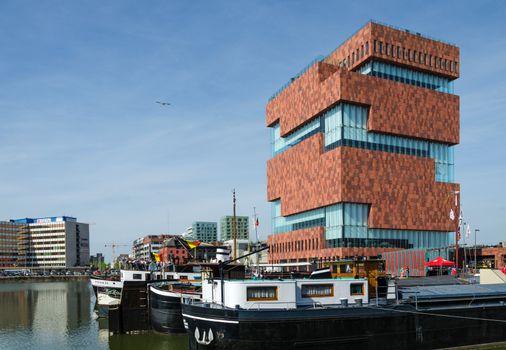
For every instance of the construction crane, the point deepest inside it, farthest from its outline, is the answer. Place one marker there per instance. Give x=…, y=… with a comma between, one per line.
x=113, y=245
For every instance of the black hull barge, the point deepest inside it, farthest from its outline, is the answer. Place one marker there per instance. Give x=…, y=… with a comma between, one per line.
x=423, y=318
x=165, y=305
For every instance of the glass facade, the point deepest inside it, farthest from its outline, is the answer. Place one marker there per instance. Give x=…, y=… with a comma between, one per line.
x=280, y=144
x=346, y=125
x=345, y=225
x=407, y=76
x=300, y=221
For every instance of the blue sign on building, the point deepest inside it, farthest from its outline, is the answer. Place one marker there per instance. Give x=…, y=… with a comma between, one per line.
x=44, y=220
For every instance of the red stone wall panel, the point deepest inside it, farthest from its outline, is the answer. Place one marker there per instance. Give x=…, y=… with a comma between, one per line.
x=305, y=178
x=402, y=109
x=401, y=189
x=397, y=38
x=313, y=92
x=395, y=108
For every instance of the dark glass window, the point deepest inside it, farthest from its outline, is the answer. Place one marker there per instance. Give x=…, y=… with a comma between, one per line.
x=367, y=48
x=357, y=289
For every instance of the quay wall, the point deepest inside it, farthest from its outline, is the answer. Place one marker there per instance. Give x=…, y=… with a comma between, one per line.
x=10, y=279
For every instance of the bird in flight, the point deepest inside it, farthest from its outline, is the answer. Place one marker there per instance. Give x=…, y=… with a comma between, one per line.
x=163, y=103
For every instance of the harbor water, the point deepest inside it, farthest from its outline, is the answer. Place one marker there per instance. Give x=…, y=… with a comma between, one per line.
x=59, y=315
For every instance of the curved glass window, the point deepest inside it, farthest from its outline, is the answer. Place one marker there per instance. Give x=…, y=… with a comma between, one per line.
x=407, y=76
x=280, y=144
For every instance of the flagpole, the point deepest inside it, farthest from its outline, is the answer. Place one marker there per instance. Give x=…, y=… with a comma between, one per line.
x=476, y=230
x=256, y=235
x=235, y=228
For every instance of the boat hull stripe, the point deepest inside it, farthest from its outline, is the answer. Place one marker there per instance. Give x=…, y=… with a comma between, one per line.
x=210, y=319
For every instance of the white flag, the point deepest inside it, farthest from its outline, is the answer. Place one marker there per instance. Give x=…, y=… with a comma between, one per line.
x=452, y=215
x=468, y=231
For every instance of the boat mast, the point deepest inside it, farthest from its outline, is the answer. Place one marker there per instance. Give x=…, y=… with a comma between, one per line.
x=256, y=235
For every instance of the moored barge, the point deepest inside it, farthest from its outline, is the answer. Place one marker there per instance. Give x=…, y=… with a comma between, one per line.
x=337, y=313
x=165, y=305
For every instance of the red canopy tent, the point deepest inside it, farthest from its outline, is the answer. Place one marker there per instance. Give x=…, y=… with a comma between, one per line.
x=440, y=262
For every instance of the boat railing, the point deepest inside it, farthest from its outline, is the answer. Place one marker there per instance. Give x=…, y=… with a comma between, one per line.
x=315, y=305
x=288, y=305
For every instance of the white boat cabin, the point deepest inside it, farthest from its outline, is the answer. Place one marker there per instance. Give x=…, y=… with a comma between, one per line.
x=132, y=275
x=285, y=294
x=184, y=276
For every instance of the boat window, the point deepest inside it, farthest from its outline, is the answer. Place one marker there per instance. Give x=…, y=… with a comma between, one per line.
x=317, y=290
x=183, y=278
x=137, y=276
x=357, y=289
x=262, y=293
x=334, y=268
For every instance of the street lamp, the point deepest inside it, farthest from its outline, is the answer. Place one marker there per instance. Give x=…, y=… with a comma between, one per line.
x=475, y=261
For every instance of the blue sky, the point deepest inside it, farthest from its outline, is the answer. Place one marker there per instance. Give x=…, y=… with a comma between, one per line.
x=81, y=133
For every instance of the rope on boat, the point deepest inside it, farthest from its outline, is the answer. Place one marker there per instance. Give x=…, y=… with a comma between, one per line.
x=440, y=315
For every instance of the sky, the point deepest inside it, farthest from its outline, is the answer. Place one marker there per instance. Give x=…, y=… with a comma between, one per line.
x=81, y=134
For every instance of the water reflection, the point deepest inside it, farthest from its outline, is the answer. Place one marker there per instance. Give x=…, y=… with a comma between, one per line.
x=59, y=315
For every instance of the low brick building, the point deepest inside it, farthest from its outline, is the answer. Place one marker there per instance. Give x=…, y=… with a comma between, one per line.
x=493, y=257
x=174, y=251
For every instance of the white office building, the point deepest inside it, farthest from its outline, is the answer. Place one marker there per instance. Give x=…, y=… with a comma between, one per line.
x=58, y=241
